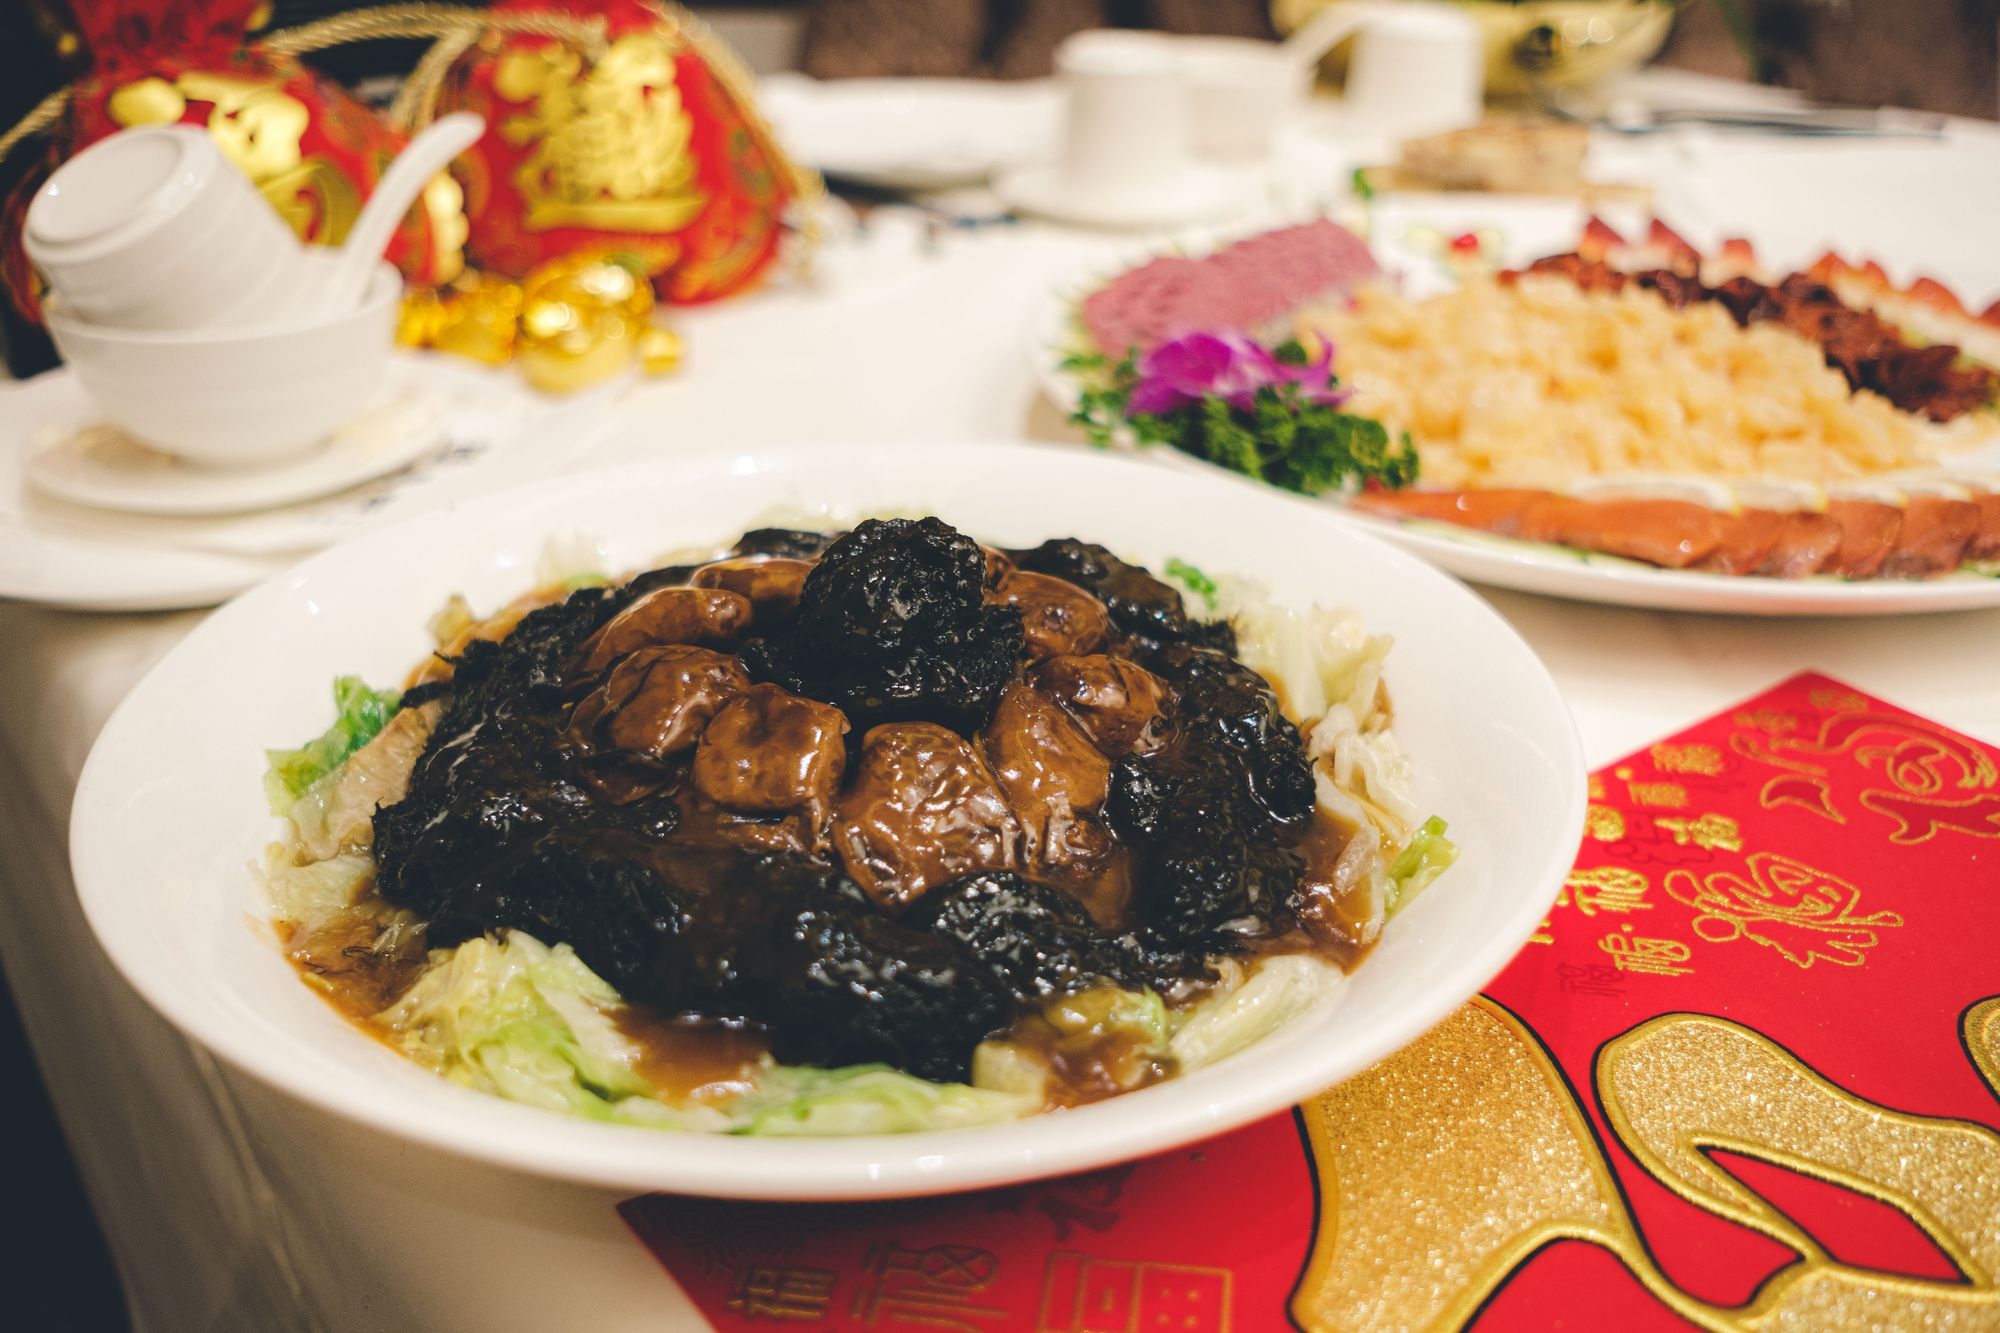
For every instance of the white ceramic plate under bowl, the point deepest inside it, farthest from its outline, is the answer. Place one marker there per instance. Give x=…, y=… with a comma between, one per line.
x=103, y=468
x=913, y=134
x=1521, y=230
x=170, y=811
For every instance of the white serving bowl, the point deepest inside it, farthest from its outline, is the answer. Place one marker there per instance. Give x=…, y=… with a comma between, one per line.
x=241, y=397
x=170, y=811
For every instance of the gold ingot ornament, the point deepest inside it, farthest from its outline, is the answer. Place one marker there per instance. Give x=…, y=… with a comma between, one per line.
x=573, y=322
x=582, y=317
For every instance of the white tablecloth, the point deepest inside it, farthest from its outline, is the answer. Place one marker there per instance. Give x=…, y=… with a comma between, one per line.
x=230, y=1208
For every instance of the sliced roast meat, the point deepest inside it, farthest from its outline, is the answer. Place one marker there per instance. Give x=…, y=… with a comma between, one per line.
x=1744, y=541
x=1490, y=511
x=1855, y=539
x=1670, y=533
x=1868, y=531
x=1933, y=537
x=1985, y=543
x=1806, y=544
x=1255, y=284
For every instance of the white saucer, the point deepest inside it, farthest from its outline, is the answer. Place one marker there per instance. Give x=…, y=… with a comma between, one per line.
x=495, y=432
x=1200, y=193
x=102, y=467
x=913, y=134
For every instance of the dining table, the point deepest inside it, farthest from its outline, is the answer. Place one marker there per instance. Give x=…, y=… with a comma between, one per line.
x=230, y=1206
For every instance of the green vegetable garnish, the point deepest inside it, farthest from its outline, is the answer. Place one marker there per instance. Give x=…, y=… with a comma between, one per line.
x=1191, y=578
x=1429, y=855
x=1270, y=414
x=360, y=714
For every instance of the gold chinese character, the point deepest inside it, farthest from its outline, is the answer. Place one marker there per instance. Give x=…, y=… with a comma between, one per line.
x=1604, y=823
x=1478, y=1121
x=1597, y=792
x=1670, y=795
x=1657, y=957
x=610, y=146
x=1544, y=934
x=1591, y=979
x=1709, y=832
x=1837, y=700
x=931, y=1288
x=1081, y=1294
x=261, y=129
x=1768, y=719
x=1705, y=760
x=797, y=1294
x=1607, y=889
x=1785, y=905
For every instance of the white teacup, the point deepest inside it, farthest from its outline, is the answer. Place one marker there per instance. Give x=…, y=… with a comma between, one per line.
x=1128, y=111
x=1242, y=91
x=1418, y=66
x=153, y=228
x=1128, y=154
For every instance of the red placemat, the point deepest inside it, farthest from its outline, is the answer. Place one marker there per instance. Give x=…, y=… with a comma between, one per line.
x=1743, y=1077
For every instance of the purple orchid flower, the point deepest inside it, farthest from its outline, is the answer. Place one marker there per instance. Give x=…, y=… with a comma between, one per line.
x=1182, y=371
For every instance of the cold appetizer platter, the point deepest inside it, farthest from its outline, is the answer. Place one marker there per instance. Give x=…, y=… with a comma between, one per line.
x=1629, y=419
x=957, y=828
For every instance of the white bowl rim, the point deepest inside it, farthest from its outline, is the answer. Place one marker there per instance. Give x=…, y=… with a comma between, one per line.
x=1154, y=1119
x=385, y=288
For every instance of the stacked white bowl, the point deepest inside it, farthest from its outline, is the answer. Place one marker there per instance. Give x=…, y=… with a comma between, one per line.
x=188, y=310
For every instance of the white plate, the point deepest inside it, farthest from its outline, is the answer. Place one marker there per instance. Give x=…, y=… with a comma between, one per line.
x=102, y=467
x=1520, y=230
x=1592, y=577
x=1199, y=194
x=913, y=134
x=169, y=812
x=57, y=553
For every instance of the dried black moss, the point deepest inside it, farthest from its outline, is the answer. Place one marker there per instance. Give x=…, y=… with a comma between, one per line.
x=500, y=828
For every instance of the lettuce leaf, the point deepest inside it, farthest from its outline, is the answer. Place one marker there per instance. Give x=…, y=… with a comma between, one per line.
x=360, y=713
x=1280, y=989
x=314, y=892
x=513, y=1017
x=798, y=1102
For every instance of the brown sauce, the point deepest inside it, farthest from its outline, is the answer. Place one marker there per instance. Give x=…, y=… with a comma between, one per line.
x=339, y=961
x=1087, y=1062
x=1333, y=919
x=691, y=1060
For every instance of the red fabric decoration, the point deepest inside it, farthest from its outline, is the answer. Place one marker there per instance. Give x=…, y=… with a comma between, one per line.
x=312, y=150
x=652, y=148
